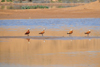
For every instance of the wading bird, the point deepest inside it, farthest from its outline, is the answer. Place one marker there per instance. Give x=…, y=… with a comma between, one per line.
x=28, y=32
x=70, y=32
x=88, y=32
x=42, y=31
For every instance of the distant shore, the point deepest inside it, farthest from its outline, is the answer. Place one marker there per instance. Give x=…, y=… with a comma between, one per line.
x=48, y=13
x=44, y=4
x=91, y=10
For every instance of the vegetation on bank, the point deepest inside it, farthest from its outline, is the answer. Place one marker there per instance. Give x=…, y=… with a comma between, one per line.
x=51, y=1
x=34, y=7
x=6, y=0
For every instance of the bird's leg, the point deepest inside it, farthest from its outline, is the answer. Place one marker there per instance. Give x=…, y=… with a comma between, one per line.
x=28, y=34
x=69, y=35
x=43, y=40
x=42, y=34
x=28, y=41
x=87, y=34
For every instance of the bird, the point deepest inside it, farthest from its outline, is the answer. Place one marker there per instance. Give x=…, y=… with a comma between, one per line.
x=42, y=31
x=70, y=32
x=88, y=32
x=28, y=32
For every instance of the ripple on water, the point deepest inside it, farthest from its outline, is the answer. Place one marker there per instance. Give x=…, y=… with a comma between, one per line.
x=91, y=23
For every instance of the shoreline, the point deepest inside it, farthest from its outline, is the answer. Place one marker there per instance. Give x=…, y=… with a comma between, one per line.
x=49, y=18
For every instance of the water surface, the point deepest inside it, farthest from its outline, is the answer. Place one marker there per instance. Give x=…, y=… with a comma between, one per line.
x=49, y=53
x=90, y=23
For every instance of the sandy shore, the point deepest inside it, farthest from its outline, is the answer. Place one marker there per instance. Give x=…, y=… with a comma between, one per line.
x=90, y=10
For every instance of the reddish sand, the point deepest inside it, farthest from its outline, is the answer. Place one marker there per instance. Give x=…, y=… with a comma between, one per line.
x=91, y=10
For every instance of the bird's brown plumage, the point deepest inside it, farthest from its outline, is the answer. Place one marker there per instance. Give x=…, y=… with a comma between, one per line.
x=28, y=32
x=42, y=32
x=70, y=32
x=88, y=32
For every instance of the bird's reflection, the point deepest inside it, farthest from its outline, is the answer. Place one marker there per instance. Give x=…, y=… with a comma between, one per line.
x=43, y=40
x=28, y=40
x=89, y=39
x=71, y=40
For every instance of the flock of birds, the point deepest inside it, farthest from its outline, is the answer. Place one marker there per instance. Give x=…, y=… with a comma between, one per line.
x=28, y=32
x=70, y=32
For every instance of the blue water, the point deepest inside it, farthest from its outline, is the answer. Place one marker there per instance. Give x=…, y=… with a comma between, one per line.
x=61, y=24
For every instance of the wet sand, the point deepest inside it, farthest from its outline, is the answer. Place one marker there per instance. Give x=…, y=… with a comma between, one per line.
x=52, y=37
x=50, y=53
x=48, y=32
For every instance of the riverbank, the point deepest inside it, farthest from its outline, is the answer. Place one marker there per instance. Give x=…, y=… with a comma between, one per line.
x=90, y=10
